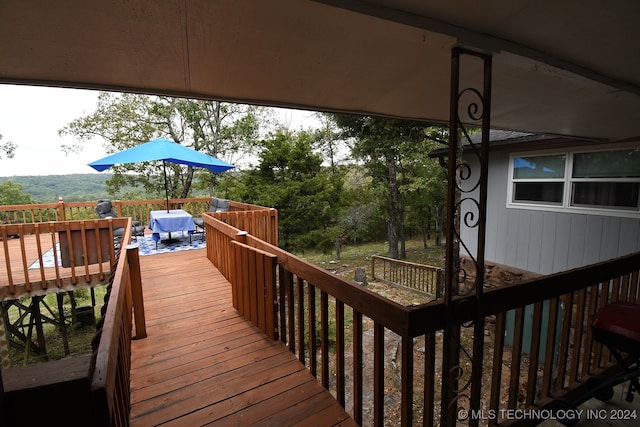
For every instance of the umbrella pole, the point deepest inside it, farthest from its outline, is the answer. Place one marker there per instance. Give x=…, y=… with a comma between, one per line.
x=166, y=189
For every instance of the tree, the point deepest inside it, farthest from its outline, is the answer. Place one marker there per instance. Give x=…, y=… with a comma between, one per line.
x=8, y=147
x=223, y=130
x=12, y=194
x=387, y=147
x=424, y=186
x=290, y=177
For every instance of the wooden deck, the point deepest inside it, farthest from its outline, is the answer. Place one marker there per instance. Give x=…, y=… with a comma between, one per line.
x=204, y=364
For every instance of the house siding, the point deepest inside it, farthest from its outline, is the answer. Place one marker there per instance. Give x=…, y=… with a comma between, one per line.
x=541, y=241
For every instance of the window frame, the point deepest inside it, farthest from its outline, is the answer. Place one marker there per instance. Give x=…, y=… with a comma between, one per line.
x=568, y=181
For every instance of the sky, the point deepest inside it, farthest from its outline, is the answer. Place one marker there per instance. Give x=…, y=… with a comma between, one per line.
x=31, y=117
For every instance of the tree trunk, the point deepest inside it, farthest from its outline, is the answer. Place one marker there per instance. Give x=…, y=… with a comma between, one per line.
x=438, y=227
x=403, y=236
x=355, y=233
x=424, y=226
x=394, y=211
x=392, y=236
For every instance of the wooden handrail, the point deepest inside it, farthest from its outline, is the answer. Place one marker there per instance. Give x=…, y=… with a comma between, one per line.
x=80, y=250
x=101, y=383
x=136, y=209
x=389, y=313
x=321, y=317
x=112, y=352
x=565, y=302
x=428, y=317
x=254, y=286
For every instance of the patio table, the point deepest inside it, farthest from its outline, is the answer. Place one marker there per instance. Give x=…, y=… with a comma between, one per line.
x=170, y=221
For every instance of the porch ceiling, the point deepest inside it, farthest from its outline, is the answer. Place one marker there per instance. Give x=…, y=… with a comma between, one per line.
x=568, y=67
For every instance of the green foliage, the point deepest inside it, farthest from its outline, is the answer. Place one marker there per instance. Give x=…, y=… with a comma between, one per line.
x=124, y=120
x=361, y=218
x=354, y=179
x=72, y=188
x=406, y=183
x=290, y=177
x=11, y=193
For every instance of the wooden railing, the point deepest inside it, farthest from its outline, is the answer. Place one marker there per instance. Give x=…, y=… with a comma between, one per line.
x=99, y=387
x=419, y=277
x=135, y=209
x=112, y=346
x=370, y=351
x=82, y=252
x=262, y=224
x=255, y=278
x=538, y=334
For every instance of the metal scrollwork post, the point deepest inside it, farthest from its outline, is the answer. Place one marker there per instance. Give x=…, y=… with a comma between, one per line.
x=466, y=206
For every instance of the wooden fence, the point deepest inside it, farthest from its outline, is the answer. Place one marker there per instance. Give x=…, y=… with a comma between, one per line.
x=418, y=277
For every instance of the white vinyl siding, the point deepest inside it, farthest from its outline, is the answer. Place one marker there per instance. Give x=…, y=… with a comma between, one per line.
x=544, y=240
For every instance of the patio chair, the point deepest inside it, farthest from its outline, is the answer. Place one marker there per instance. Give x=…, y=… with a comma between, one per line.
x=216, y=205
x=105, y=210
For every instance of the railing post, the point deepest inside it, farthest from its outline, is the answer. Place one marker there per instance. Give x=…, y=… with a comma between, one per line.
x=273, y=229
x=238, y=275
x=61, y=213
x=133, y=258
x=440, y=284
x=117, y=205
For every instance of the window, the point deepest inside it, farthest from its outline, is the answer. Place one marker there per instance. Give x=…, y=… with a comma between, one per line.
x=606, y=179
x=578, y=181
x=539, y=179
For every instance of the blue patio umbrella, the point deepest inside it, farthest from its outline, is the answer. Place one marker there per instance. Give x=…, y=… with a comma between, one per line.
x=165, y=150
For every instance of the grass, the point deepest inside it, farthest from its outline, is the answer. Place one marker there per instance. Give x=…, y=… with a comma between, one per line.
x=360, y=256
x=79, y=336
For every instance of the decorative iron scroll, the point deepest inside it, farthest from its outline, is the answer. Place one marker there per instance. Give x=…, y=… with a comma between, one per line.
x=470, y=110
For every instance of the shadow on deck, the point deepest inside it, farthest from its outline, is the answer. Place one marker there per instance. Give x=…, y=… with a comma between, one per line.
x=202, y=363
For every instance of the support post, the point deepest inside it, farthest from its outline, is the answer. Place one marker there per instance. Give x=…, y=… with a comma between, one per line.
x=133, y=258
x=466, y=206
x=5, y=358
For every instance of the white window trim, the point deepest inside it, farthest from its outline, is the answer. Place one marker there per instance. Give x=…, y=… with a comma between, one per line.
x=565, y=206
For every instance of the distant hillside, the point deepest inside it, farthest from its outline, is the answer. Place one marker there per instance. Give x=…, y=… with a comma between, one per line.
x=73, y=188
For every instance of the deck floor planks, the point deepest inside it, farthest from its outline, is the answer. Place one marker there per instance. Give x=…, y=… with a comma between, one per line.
x=212, y=390
x=166, y=370
x=291, y=405
x=214, y=346
x=202, y=363
x=247, y=408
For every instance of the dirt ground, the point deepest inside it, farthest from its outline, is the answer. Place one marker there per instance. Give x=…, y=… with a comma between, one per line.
x=392, y=357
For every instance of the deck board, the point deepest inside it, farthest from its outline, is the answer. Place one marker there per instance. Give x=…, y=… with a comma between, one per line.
x=202, y=363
